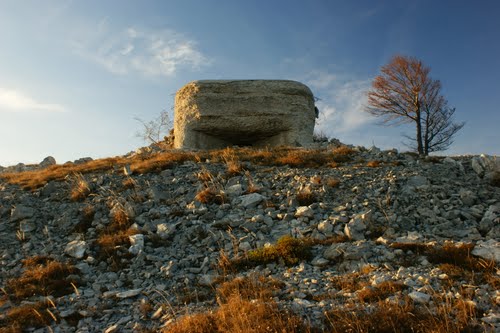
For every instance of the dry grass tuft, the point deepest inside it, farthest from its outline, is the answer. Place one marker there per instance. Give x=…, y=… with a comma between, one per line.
x=451, y=316
x=115, y=235
x=80, y=189
x=86, y=219
x=161, y=161
x=454, y=259
x=212, y=192
x=332, y=182
x=380, y=292
x=287, y=250
x=19, y=318
x=42, y=276
x=233, y=165
x=211, y=195
x=245, y=306
x=373, y=164
x=31, y=180
x=306, y=197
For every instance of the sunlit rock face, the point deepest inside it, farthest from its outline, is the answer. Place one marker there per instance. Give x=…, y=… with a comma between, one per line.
x=219, y=113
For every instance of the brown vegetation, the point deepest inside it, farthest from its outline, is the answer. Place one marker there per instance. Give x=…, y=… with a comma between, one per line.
x=287, y=250
x=140, y=164
x=42, y=276
x=245, y=305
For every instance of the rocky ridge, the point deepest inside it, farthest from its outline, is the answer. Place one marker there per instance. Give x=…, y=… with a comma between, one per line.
x=172, y=259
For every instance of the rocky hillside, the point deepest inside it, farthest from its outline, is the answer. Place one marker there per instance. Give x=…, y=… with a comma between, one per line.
x=340, y=239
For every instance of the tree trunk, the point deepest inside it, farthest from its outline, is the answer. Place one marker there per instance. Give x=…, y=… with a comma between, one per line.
x=426, y=135
x=418, y=119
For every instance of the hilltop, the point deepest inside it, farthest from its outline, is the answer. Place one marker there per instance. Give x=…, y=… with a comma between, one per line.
x=331, y=239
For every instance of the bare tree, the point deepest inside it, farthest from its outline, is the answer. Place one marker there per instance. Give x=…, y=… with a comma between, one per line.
x=155, y=130
x=405, y=93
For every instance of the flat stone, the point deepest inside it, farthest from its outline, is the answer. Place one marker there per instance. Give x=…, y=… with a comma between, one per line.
x=21, y=212
x=304, y=211
x=129, y=293
x=489, y=250
x=251, y=200
x=419, y=297
x=76, y=249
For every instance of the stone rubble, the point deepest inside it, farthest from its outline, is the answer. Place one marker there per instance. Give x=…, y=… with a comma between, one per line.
x=179, y=241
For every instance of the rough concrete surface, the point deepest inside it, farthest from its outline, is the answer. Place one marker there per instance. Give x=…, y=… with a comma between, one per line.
x=218, y=113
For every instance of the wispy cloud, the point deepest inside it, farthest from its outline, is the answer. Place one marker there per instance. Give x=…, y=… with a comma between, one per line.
x=134, y=50
x=342, y=100
x=17, y=101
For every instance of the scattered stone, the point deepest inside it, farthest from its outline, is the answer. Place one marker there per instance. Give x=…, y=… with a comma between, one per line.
x=47, y=161
x=21, y=212
x=251, y=200
x=137, y=243
x=419, y=297
x=129, y=293
x=417, y=181
x=304, y=211
x=357, y=225
x=489, y=250
x=76, y=249
x=176, y=254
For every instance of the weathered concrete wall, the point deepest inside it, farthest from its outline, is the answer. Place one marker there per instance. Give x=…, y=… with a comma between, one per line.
x=214, y=114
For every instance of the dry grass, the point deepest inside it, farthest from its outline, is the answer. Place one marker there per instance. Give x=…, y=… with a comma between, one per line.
x=212, y=192
x=161, y=161
x=233, y=165
x=456, y=261
x=80, y=188
x=373, y=164
x=42, y=276
x=140, y=164
x=380, y=292
x=86, y=218
x=287, y=250
x=245, y=305
x=306, y=197
x=19, y=318
x=37, y=178
x=211, y=195
x=332, y=182
x=115, y=235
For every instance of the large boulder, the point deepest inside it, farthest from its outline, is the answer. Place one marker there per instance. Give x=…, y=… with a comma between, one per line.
x=215, y=114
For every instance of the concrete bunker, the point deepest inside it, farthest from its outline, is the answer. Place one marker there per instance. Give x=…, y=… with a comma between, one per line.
x=213, y=114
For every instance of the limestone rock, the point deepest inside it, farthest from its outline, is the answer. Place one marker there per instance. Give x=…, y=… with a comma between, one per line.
x=304, y=211
x=419, y=297
x=21, y=212
x=218, y=113
x=489, y=250
x=357, y=225
x=485, y=164
x=76, y=249
x=251, y=200
x=47, y=161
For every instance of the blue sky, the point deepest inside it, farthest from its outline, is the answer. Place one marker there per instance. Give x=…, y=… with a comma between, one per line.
x=75, y=74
